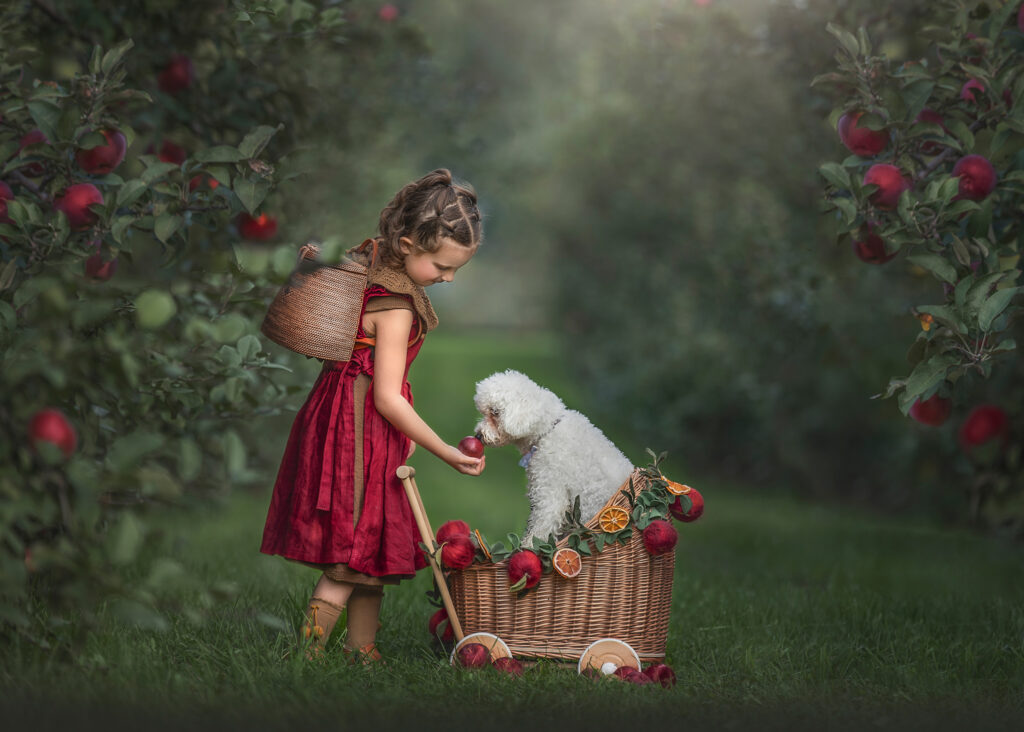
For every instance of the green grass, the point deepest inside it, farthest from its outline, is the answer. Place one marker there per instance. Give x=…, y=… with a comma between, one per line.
x=784, y=615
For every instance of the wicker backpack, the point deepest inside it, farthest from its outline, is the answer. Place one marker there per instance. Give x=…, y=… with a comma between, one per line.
x=316, y=313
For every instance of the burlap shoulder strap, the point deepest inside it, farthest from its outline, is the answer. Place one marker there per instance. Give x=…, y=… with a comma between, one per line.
x=397, y=281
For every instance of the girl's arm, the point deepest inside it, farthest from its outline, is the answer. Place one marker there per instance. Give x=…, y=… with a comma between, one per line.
x=392, y=333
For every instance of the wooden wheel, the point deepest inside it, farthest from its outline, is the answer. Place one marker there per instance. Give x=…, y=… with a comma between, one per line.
x=495, y=645
x=606, y=655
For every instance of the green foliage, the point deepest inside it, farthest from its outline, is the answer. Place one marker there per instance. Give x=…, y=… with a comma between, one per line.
x=887, y=622
x=156, y=366
x=970, y=244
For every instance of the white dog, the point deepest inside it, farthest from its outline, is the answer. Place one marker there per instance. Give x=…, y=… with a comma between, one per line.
x=563, y=453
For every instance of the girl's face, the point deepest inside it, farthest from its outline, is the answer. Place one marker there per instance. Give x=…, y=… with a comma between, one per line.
x=429, y=268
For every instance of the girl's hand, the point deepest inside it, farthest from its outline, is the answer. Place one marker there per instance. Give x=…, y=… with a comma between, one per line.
x=464, y=463
x=412, y=449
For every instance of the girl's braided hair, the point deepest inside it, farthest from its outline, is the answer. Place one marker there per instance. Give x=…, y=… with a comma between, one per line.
x=425, y=210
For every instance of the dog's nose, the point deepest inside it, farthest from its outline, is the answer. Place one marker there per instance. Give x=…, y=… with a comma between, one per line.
x=479, y=435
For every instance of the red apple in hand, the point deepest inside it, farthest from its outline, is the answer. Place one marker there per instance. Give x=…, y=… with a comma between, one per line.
x=177, y=75
x=102, y=159
x=977, y=177
x=75, y=203
x=471, y=446
x=388, y=13
x=861, y=140
x=890, y=182
x=50, y=425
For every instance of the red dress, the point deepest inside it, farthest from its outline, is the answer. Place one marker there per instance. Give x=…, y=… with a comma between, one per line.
x=314, y=514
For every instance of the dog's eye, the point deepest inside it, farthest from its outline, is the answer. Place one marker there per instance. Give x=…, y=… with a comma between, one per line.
x=495, y=413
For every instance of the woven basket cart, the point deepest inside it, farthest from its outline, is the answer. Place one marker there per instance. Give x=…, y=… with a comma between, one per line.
x=316, y=313
x=622, y=592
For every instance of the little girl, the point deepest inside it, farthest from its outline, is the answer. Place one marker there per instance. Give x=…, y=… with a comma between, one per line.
x=337, y=504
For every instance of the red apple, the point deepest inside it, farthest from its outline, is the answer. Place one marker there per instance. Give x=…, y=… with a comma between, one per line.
x=6, y=194
x=696, y=507
x=891, y=183
x=871, y=249
x=524, y=563
x=931, y=147
x=437, y=620
x=177, y=75
x=198, y=180
x=102, y=159
x=452, y=529
x=171, y=153
x=75, y=203
x=261, y=228
x=99, y=269
x=861, y=140
x=471, y=446
x=977, y=177
x=50, y=425
x=933, y=411
x=457, y=552
x=985, y=422
x=970, y=89
x=639, y=678
x=660, y=537
x=388, y=13
x=623, y=672
x=35, y=137
x=509, y=665
x=474, y=655
x=662, y=674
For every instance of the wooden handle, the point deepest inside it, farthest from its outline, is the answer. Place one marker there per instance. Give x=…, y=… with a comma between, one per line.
x=406, y=473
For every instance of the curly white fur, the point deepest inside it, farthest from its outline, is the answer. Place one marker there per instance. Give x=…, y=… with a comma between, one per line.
x=570, y=455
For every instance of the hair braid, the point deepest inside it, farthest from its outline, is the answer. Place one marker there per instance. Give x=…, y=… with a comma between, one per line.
x=420, y=211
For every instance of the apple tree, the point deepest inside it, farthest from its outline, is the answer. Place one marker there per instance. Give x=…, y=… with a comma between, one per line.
x=935, y=177
x=146, y=152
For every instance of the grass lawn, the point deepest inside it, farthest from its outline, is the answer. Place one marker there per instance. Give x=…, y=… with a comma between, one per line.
x=784, y=615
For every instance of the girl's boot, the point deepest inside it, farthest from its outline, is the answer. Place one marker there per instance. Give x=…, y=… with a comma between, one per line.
x=363, y=622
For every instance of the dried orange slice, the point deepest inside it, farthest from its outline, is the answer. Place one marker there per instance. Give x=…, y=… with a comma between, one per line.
x=482, y=544
x=612, y=519
x=677, y=489
x=567, y=562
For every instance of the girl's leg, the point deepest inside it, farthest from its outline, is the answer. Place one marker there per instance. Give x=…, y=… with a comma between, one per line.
x=364, y=620
x=325, y=607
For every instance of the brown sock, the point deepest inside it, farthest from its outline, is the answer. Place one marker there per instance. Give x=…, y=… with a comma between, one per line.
x=363, y=615
x=321, y=617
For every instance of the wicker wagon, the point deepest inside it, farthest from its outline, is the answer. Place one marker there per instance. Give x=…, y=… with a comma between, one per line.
x=617, y=607
x=622, y=592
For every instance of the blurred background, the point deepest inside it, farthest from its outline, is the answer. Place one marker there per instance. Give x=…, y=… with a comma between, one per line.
x=656, y=252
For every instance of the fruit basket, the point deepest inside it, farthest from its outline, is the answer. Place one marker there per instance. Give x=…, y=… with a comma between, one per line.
x=622, y=592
